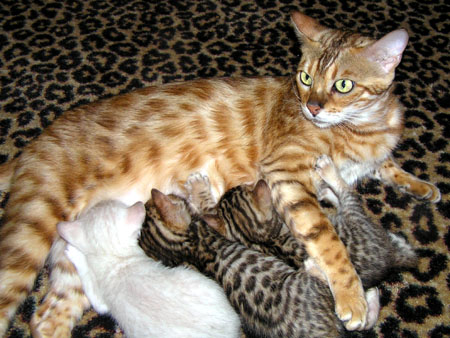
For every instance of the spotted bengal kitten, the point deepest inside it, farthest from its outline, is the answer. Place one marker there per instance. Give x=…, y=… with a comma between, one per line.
x=271, y=298
x=340, y=103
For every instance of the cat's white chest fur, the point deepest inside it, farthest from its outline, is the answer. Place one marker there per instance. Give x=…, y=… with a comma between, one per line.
x=352, y=171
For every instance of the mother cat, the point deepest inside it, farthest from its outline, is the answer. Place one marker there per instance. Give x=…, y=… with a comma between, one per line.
x=340, y=103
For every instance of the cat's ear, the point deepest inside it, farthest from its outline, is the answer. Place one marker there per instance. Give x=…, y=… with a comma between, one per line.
x=174, y=213
x=135, y=217
x=262, y=194
x=387, y=51
x=71, y=232
x=306, y=27
x=215, y=222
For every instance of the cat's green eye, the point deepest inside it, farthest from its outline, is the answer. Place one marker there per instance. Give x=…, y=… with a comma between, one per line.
x=305, y=78
x=343, y=86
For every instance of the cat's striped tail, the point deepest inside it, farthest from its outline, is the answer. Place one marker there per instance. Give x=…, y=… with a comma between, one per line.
x=26, y=236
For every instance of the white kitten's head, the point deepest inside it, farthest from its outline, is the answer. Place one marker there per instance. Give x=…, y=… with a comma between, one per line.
x=109, y=227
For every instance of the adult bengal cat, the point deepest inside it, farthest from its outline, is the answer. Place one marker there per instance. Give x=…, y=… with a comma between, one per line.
x=339, y=103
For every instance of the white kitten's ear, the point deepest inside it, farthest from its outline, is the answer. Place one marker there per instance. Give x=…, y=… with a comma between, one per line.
x=262, y=194
x=174, y=213
x=306, y=27
x=71, y=232
x=387, y=51
x=135, y=217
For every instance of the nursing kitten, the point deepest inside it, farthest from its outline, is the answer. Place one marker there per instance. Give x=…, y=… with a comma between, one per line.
x=145, y=297
x=373, y=250
x=272, y=298
x=339, y=103
x=246, y=214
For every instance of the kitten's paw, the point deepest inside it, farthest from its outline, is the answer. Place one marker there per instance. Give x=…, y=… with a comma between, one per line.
x=351, y=308
x=326, y=169
x=199, y=191
x=325, y=193
x=373, y=302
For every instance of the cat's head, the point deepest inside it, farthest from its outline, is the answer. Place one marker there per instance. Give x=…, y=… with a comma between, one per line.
x=166, y=234
x=343, y=77
x=246, y=214
x=109, y=227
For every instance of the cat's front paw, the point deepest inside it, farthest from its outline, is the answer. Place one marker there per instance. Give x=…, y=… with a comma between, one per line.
x=351, y=308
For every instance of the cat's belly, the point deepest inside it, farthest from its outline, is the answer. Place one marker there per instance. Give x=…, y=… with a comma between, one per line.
x=352, y=171
x=221, y=174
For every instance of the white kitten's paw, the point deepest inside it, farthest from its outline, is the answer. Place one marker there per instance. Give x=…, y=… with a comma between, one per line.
x=373, y=303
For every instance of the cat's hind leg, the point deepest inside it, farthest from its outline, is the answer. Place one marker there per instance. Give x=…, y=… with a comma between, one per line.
x=390, y=173
x=65, y=303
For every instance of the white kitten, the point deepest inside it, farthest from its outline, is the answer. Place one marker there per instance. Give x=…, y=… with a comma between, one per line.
x=146, y=298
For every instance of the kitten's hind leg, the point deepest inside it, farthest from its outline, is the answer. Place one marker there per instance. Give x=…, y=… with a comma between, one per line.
x=65, y=302
x=373, y=303
x=200, y=197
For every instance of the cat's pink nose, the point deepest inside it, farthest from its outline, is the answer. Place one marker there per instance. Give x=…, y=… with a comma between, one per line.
x=314, y=108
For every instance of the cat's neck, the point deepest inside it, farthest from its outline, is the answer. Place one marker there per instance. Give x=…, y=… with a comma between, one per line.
x=376, y=137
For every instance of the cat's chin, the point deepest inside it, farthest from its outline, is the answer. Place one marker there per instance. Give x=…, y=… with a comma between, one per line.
x=322, y=124
x=316, y=120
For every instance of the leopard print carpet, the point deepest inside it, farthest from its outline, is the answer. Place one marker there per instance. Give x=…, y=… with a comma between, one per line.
x=58, y=54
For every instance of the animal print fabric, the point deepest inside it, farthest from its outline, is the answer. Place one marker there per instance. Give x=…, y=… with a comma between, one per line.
x=56, y=55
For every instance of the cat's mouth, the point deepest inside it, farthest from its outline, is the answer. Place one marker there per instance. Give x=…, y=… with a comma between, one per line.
x=317, y=120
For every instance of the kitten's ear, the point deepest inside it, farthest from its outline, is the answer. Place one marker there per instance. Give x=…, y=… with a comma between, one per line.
x=136, y=216
x=262, y=194
x=215, y=222
x=306, y=27
x=387, y=51
x=71, y=232
x=174, y=213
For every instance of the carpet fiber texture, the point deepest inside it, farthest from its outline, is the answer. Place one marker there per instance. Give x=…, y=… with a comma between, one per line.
x=56, y=55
